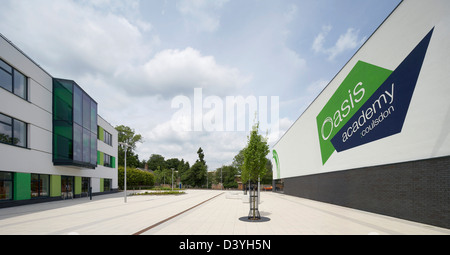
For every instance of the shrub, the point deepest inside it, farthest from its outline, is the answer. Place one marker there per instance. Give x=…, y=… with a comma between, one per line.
x=136, y=178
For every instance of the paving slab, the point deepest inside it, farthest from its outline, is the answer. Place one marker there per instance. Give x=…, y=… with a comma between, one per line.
x=200, y=212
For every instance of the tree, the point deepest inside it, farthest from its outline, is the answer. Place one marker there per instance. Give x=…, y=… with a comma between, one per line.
x=268, y=177
x=127, y=135
x=254, y=166
x=227, y=175
x=173, y=163
x=255, y=153
x=156, y=161
x=196, y=175
x=238, y=161
x=201, y=155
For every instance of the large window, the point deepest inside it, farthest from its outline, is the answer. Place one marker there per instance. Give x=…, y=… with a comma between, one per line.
x=40, y=185
x=12, y=131
x=108, y=138
x=6, y=186
x=107, y=160
x=12, y=80
x=85, y=184
x=107, y=185
x=74, y=125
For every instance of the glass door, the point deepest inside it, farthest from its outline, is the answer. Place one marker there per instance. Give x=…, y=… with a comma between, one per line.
x=67, y=187
x=85, y=184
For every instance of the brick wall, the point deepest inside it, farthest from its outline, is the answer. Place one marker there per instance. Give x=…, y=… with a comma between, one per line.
x=418, y=191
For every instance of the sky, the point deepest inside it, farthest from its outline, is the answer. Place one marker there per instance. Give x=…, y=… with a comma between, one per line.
x=171, y=70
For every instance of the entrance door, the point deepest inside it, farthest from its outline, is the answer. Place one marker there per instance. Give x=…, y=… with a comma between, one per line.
x=67, y=187
x=85, y=185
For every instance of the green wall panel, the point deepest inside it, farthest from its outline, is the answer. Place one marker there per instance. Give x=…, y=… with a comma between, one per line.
x=113, y=162
x=101, y=134
x=22, y=186
x=55, y=185
x=100, y=158
x=77, y=185
x=102, y=185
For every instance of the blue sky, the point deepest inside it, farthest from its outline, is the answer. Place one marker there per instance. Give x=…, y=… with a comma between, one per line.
x=134, y=57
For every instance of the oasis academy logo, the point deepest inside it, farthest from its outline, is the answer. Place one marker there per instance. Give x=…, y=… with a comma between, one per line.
x=370, y=104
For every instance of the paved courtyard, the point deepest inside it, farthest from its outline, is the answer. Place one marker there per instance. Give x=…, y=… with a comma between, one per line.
x=200, y=212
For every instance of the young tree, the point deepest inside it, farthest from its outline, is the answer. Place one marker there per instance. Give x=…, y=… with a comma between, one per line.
x=254, y=165
x=255, y=153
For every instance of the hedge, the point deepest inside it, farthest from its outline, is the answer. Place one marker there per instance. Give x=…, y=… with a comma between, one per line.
x=136, y=178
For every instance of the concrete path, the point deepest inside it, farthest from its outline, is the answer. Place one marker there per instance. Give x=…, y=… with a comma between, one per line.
x=200, y=212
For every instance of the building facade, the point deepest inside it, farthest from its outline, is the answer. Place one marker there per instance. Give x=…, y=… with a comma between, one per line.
x=53, y=144
x=377, y=137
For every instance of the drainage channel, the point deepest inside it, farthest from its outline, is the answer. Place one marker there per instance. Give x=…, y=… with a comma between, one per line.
x=174, y=216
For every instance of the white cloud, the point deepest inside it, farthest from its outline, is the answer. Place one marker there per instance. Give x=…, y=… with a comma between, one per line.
x=219, y=147
x=175, y=72
x=110, y=52
x=75, y=37
x=105, y=39
x=348, y=41
x=183, y=70
x=201, y=14
x=320, y=39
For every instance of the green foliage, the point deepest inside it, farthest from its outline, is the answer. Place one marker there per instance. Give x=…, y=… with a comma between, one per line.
x=156, y=162
x=127, y=135
x=255, y=153
x=135, y=178
x=196, y=175
x=164, y=176
x=238, y=161
x=227, y=174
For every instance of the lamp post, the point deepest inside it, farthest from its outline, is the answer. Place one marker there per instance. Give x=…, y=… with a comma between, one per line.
x=125, y=147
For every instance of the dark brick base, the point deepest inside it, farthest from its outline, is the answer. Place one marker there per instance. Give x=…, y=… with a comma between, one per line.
x=418, y=191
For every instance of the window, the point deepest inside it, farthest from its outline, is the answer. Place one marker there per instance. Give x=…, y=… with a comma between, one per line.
x=85, y=184
x=78, y=105
x=77, y=142
x=12, y=131
x=107, y=185
x=5, y=129
x=107, y=160
x=6, y=186
x=20, y=85
x=86, y=112
x=13, y=80
x=74, y=125
x=108, y=138
x=6, y=77
x=67, y=186
x=40, y=185
x=20, y=133
x=86, y=146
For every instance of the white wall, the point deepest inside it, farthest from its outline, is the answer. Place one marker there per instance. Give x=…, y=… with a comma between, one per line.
x=426, y=128
x=37, y=112
x=106, y=172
